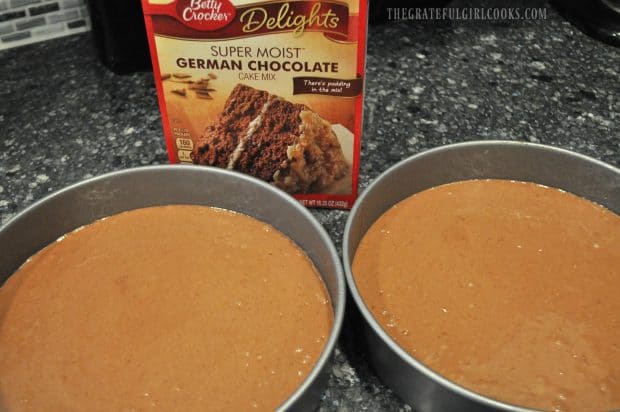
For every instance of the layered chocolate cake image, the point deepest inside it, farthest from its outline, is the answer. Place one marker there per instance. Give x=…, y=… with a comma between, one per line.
x=283, y=143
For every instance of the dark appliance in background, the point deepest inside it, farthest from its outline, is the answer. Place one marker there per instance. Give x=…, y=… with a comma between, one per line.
x=598, y=18
x=119, y=35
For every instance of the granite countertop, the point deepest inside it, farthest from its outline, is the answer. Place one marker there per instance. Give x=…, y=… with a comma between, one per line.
x=64, y=117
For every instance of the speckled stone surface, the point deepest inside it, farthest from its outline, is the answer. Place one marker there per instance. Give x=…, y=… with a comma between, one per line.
x=64, y=117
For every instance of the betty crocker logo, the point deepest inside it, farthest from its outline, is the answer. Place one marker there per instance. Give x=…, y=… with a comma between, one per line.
x=205, y=14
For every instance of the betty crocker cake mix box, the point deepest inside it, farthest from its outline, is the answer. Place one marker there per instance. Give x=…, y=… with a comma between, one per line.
x=273, y=89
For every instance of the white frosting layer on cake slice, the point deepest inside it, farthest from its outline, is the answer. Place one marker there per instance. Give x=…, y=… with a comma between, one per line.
x=252, y=127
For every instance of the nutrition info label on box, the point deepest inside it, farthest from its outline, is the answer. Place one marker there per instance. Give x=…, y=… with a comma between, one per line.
x=184, y=144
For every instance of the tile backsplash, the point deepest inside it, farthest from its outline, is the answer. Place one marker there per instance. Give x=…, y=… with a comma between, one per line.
x=30, y=21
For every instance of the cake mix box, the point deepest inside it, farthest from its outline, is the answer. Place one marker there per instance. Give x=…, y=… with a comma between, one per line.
x=273, y=89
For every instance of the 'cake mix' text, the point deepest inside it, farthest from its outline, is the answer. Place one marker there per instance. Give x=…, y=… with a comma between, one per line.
x=258, y=17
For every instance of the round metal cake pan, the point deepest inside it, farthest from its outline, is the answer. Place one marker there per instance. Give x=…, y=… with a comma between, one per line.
x=411, y=380
x=92, y=199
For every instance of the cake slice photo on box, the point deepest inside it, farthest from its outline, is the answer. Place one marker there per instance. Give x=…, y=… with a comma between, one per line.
x=286, y=144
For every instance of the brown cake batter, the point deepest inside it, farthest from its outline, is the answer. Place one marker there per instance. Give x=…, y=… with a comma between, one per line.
x=510, y=289
x=175, y=308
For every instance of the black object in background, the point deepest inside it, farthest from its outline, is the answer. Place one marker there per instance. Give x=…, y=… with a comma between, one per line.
x=119, y=35
x=597, y=18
